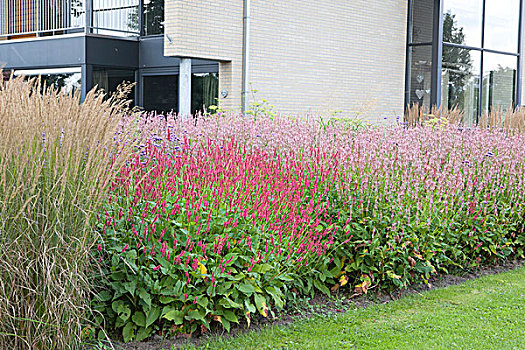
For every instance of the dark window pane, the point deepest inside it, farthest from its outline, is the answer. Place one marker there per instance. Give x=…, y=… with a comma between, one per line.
x=460, y=81
x=420, y=75
x=499, y=81
x=153, y=17
x=502, y=25
x=204, y=91
x=462, y=22
x=161, y=93
x=109, y=79
x=422, y=20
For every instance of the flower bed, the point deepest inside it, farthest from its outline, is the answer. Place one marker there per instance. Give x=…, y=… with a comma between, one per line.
x=217, y=220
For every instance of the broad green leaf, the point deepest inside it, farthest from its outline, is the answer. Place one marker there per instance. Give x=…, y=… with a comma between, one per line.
x=175, y=316
x=142, y=334
x=246, y=288
x=139, y=318
x=145, y=297
x=153, y=316
x=321, y=287
x=230, y=316
x=195, y=315
x=127, y=332
x=202, y=301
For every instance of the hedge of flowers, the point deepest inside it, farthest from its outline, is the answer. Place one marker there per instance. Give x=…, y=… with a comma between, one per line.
x=218, y=219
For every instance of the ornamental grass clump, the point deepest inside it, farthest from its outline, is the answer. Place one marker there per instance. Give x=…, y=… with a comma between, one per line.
x=57, y=157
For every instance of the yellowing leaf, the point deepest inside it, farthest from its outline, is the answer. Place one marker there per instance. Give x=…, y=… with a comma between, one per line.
x=343, y=280
x=203, y=270
x=362, y=288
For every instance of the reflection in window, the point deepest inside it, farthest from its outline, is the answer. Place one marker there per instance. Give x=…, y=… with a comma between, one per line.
x=161, y=93
x=466, y=17
x=460, y=81
x=153, y=17
x=109, y=79
x=499, y=81
x=204, y=91
x=422, y=21
x=66, y=79
x=115, y=16
x=420, y=78
x=502, y=25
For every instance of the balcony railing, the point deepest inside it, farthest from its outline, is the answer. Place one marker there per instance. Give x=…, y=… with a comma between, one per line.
x=32, y=18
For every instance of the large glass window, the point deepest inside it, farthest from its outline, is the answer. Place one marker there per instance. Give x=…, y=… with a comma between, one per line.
x=109, y=79
x=467, y=17
x=65, y=79
x=421, y=75
x=204, y=91
x=421, y=21
x=161, y=93
x=460, y=81
x=499, y=81
x=476, y=71
x=153, y=17
x=502, y=25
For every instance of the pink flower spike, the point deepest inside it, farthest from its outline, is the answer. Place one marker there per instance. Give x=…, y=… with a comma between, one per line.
x=125, y=248
x=156, y=268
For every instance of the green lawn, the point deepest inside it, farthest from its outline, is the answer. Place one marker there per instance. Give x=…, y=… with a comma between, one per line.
x=488, y=313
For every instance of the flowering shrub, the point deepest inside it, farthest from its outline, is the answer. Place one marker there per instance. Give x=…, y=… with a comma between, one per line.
x=216, y=220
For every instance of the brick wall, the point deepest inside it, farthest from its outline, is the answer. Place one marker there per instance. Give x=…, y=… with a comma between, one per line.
x=305, y=56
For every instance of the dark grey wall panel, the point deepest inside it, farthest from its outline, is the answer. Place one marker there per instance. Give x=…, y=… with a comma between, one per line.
x=43, y=53
x=151, y=56
x=112, y=52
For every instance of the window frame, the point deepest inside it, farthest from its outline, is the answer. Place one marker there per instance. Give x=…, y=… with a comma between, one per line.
x=437, y=53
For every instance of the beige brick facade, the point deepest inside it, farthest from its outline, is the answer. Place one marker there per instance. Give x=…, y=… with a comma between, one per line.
x=305, y=56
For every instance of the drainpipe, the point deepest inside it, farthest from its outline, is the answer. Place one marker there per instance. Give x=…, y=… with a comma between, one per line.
x=245, y=56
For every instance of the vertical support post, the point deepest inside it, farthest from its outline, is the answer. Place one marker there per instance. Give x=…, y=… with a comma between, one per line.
x=519, y=69
x=408, y=59
x=437, y=55
x=185, y=87
x=88, y=7
x=245, y=56
x=87, y=81
x=141, y=18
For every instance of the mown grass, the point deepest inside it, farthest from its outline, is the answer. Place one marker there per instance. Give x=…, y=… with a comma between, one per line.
x=488, y=313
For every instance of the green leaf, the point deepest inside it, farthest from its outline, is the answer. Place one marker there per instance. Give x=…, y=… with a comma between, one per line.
x=153, y=316
x=321, y=287
x=143, y=333
x=104, y=296
x=195, y=315
x=276, y=295
x=175, y=316
x=130, y=287
x=246, y=289
x=203, y=301
x=225, y=323
x=166, y=300
x=139, y=318
x=249, y=306
x=230, y=316
x=123, y=311
x=127, y=332
x=145, y=297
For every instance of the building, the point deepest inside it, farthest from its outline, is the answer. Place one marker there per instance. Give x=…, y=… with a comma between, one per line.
x=368, y=58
